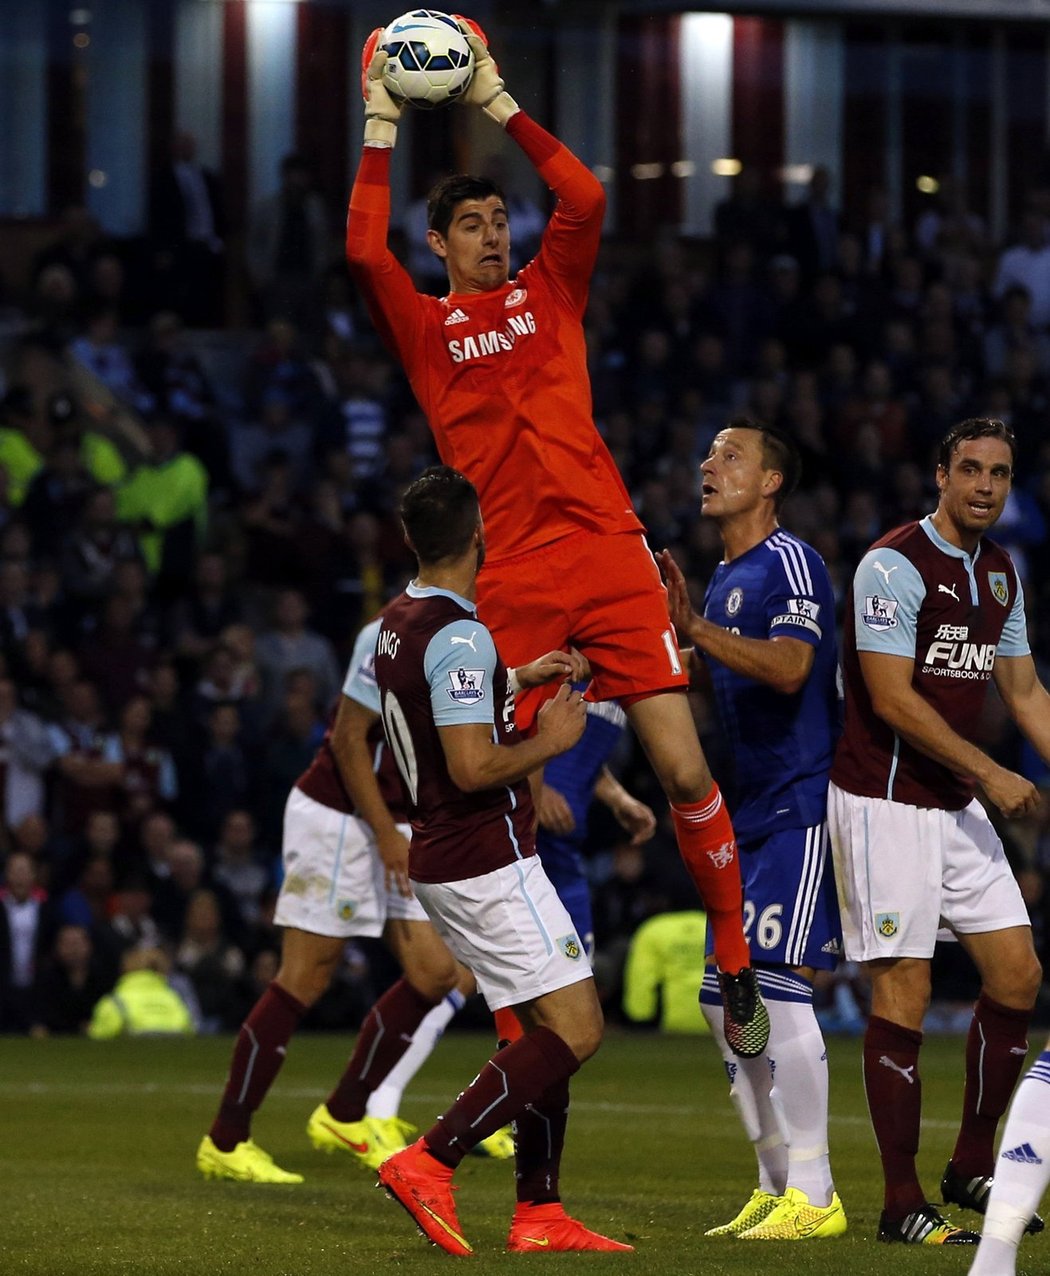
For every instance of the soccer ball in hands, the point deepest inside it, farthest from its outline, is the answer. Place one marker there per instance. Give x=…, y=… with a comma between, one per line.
x=429, y=62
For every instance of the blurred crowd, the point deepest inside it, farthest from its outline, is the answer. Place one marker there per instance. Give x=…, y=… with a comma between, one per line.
x=196, y=517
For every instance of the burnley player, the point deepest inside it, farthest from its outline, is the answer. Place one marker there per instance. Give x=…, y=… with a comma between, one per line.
x=345, y=856
x=767, y=638
x=448, y=713
x=499, y=366
x=936, y=613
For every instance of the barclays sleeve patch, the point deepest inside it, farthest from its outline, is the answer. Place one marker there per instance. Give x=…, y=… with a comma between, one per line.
x=468, y=685
x=880, y=613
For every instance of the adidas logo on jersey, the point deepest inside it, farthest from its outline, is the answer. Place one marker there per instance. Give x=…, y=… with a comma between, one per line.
x=457, y=316
x=1026, y=1154
x=832, y=946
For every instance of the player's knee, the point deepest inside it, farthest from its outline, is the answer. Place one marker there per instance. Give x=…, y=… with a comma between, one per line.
x=584, y=1035
x=685, y=780
x=433, y=980
x=306, y=983
x=1018, y=983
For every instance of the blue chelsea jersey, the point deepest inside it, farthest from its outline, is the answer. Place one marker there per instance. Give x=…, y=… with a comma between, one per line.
x=781, y=745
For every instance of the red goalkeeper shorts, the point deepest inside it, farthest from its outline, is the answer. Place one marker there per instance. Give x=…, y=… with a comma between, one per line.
x=600, y=593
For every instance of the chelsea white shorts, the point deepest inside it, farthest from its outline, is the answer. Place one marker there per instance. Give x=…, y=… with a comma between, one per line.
x=510, y=928
x=904, y=872
x=334, y=883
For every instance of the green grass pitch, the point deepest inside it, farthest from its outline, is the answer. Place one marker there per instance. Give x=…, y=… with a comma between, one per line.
x=97, y=1174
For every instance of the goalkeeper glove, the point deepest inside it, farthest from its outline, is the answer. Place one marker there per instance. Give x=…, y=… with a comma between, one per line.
x=382, y=110
x=486, y=86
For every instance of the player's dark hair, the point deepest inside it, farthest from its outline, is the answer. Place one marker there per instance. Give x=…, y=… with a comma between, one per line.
x=439, y=513
x=450, y=191
x=976, y=427
x=779, y=453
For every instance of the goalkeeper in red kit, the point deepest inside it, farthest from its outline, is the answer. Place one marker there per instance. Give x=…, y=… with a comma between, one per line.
x=499, y=367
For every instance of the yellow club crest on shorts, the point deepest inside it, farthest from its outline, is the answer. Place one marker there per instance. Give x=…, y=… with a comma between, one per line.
x=570, y=946
x=887, y=924
x=346, y=909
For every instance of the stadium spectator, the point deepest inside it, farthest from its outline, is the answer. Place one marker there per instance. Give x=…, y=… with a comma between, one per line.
x=357, y=419
x=27, y=927
x=166, y=501
x=280, y=364
x=749, y=213
x=289, y=245
x=173, y=374
x=663, y=968
x=278, y=430
x=223, y=772
x=916, y=663
x=143, y=1002
x=148, y=779
x=100, y=351
x=563, y=494
x=71, y=980
x=812, y=226
x=212, y=963
x=132, y=919
x=187, y=226
x=187, y=874
x=947, y=225
x=767, y=641
x=80, y=239
x=115, y=656
x=238, y=864
x=206, y=606
x=92, y=549
x=55, y=496
x=1027, y=264
x=84, y=781
x=290, y=644
x=100, y=838
x=25, y=755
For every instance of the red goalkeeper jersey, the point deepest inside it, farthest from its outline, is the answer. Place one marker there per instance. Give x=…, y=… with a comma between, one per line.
x=502, y=375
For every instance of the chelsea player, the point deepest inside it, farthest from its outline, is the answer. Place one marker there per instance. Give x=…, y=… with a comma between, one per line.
x=570, y=782
x=767, y=638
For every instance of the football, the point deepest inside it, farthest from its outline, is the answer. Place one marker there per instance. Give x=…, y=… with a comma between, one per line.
x=429, y=62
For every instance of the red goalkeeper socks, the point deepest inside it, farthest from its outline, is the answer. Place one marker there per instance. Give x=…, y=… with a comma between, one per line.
x=708, y=849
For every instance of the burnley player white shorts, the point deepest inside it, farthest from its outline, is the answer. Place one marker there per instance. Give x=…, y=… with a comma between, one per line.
x=904, y=872
x=334, y=882
x=510, y=928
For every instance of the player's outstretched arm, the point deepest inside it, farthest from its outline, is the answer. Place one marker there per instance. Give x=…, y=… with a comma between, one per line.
x=387, y=287
x=382, y=112
x=573, y=234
